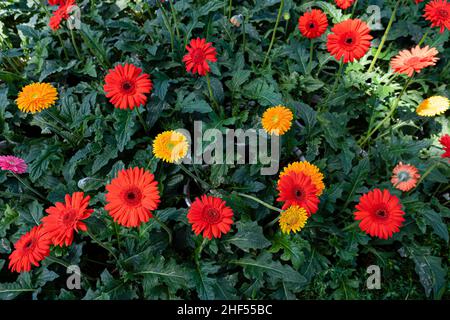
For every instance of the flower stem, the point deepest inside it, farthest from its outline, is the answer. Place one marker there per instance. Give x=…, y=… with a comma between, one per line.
x=385, y=35
x=141, y=119
x=422, y=178
x=165, y=227
x=389, y=115
x=230, y=5
x=101, y=244
x=335, y=85
x=271, y=223
x=66, y=265
x=198, y=252
x=280, y=9
x=168, y=25
x=72, y=37
x=351, y=226
x=175, y=20
x=311, y=53
x=423, y=38
x=354, y=8
x=259, y=201
x=27, y=186
x=203, y=184
x=211, y=95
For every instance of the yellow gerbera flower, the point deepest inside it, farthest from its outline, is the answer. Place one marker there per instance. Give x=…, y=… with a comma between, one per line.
x=433, y=106
x=293, y=219
x=277, y=120
x=170, y=146
x=308, y=169
x=36, y=97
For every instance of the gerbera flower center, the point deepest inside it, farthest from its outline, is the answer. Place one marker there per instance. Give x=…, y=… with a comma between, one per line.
x=211, y=215
x=299, y=194
x=312, y=25
x=133, y=196
x=28, y=244
x=403, y=176
x=127, y=86
x=68, y=217
x=198, y=56
x=382, y=213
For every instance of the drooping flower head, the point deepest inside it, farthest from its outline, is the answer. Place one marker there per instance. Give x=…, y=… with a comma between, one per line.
x=308, y=169
x=199, y=54
x=61, y=13
x=344, y=4
x=293, y=219
x=438, y=13
x=170, y=146
x=132, y=196
x=433, y=106
x=445, y=142
x=414, y=60
x=13, y=164
x=349, y=40
x=277, y=120
x=404, y=176
x=126, y=86
x=296, y=188
x=313, y=24
x=64, y=219
x=380, y=213
x=36, y=97
x=29, y=250
x=211, y=216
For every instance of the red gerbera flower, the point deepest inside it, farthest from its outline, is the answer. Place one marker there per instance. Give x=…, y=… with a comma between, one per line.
x=211, y=216
x=445, y=141
x=65, y=218
x=126, y=86
x=438, y=12
x=132, y=196
x=30, y=249
x=380, y=213
x=62, y=13
x=313, y=24
x=344, y=4
x=54, y=2
x=199, y=53
x=414, y=60
x=349, y=39
x=296, y=188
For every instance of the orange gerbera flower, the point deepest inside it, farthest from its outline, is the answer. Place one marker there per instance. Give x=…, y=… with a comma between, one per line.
x=65, y=218
x=344, y=4
x=438, y=12
x=380, y=213
x=313, y=24
x=405, y=176
x=277, y=120
x=296, y=188
x=30, y=249
x=199, y=54
x=132, y=196
x=36, y=97
x=349, y=40
x=310, y=170
x=127, y=86
x=414, y=60
x=211, y=216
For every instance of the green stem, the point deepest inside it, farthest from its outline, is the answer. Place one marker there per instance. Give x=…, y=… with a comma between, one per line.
x=198, y=252
x=389, y=115
x=311, y=53
x=116, y=229
x=67, y=265
x=165, y=227
x=385, y=35
x=259, y=201
x=351, y=226
x=422, y=178
x=27, y=186
x=141, y=119
x=354, y=8
x=175, y=20
x=271, y=223
x=211, y=95
x=423, y=38
x=72, y=37
x=280, y=9
x=230, y=5
x=167, y=24
x=203, y=184
x=244, y=37
x=101, y=244
x=62, y=45
x=335, y=85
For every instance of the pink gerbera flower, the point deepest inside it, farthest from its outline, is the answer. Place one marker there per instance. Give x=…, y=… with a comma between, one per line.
x=13, y=164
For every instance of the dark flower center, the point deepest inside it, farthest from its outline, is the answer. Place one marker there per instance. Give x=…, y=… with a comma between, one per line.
x=127, y=86
x=69, y=216
x=312, y=25
x=382, y=213
x=349, y=40
x=211, y=215
x=28, y=244
x=198, y=56
x=133, y=196
x=299, y=194
x=442, y=13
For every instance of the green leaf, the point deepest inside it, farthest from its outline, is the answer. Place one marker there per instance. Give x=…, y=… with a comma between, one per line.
x=193, y=104
x=124, y=127
x=261, y=91
x=249, y=236
x=9, y=291
x=433, y=219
